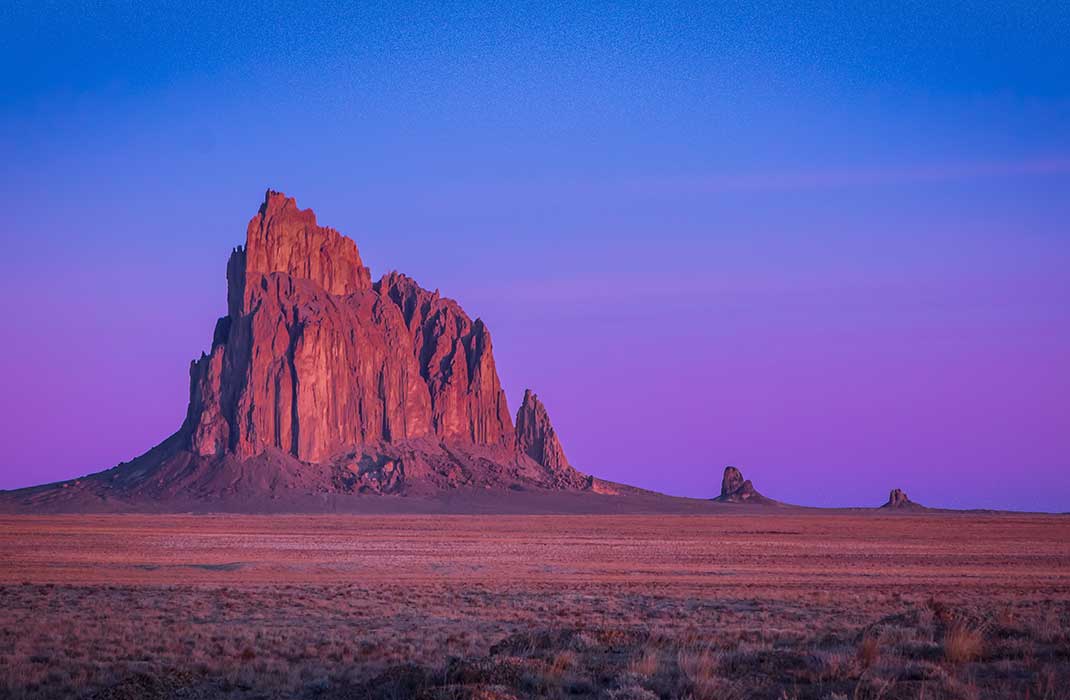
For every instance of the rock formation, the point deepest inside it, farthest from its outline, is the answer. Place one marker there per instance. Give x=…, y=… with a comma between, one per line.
x=313, y=358
x=897, y=500
x=736, y=489
x=322, y=381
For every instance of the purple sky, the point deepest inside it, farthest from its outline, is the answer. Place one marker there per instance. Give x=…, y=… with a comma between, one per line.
x=830, y=249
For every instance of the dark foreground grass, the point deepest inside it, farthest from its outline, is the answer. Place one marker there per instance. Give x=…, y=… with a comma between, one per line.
x=340, y=642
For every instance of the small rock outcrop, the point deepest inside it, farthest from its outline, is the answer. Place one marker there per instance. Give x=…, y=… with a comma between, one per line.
x=736, y=489
x=898, y=500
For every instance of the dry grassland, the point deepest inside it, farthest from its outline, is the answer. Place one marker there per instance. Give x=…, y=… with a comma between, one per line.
x=830, y=607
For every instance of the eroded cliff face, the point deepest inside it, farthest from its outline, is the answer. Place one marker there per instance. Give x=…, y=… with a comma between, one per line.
x=456, y=361
x=314, y=360
x=283, y=238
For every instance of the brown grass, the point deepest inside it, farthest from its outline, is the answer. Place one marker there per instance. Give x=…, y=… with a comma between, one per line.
x=646, y=664
x=698, y=665
x=869, y=650
x=963, y=643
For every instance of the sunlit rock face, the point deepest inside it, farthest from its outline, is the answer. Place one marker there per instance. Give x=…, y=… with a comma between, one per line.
x=314, y=360
x=309, y=359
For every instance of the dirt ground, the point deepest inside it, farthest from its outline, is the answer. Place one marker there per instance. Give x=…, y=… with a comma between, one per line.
x=779, y=606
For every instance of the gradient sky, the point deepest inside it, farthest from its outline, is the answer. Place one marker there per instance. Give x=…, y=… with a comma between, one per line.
x=827, y=243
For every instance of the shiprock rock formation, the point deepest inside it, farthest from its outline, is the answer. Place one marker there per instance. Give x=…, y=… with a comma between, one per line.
x=736, y=489
x=322, y=382
x=897, y=500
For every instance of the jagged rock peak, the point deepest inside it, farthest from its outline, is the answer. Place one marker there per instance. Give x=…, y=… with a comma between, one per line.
x=736, y=489
x=284, y=238
x=536, y=437
x=456, y=359
x=313, y=360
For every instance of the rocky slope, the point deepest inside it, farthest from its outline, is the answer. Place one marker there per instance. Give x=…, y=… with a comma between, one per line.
x=321, y=382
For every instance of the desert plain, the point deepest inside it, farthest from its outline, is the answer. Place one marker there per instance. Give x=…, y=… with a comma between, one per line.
x=741, y=604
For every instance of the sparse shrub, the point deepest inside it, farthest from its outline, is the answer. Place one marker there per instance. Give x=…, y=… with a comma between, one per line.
x=1048, y=629
x=631, y=692
x=1005, y=617
x=562, y=662
x=646, y=664
x=963, y=643
x=831, y=665
x=699, y=666
x=869, y=650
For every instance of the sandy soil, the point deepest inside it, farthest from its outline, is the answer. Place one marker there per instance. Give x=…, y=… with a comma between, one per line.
x=781, y=605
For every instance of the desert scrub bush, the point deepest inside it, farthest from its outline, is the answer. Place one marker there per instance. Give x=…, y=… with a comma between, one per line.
x=1005, y=617
x=833, y=665
x=869, y=650
x=631, y=692
x=646, y=663
x=559, y=665
x=699, y=665
x=1049, y=628
x=963, y=643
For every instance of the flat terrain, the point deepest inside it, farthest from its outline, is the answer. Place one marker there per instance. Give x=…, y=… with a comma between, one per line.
x=779, y=605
